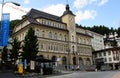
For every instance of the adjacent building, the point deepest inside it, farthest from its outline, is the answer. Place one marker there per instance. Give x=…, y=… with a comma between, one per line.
x=109, y=56
x=97, y=40
x=59, y=38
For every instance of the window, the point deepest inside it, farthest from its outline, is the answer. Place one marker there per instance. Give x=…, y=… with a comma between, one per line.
x=50, y=47
x=105, y=59
x=72, y=38
x=43, y=46
x=100, y=54
x=55, y=36
x=43, y=34
x=109, y=53
x=114, y=58
x=65, y=37
x=37, y=32
x=73, y=49
x=60, y=36
x=55, y=47
x=43, y=21
x=110, y=59
x=61, y=48
x=104, y=53
x=50, y=35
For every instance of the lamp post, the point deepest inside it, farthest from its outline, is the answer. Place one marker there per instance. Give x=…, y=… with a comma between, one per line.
x=3, y=3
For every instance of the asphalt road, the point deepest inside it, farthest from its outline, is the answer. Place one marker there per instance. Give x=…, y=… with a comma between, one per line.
x=7, y=75
x=103, y=74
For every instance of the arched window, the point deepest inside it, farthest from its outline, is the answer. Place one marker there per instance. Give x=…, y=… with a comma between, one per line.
x=50, y=35
x=64, y=60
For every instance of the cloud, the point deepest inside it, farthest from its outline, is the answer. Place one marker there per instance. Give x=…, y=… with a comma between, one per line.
x=102, y=2
x=16, y=12
x=26, y=1
x=80, y=3
x=87, y=14
x=55, y=9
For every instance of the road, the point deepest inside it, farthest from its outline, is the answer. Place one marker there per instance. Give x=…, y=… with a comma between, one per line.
x=7, y=75
x=103, y=74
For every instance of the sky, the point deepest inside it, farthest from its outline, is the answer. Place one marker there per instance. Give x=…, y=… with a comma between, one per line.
x=88, y=12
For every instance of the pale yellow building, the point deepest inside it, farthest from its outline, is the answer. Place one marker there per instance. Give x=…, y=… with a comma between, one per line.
x=59, y=37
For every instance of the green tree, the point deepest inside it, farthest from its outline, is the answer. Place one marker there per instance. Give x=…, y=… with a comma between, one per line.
x=12, y=25
x=118, y=31
x=16, y=46
x=5, y=54
x=30, y=47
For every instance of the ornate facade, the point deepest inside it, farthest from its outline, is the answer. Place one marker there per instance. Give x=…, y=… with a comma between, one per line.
x=59, y=38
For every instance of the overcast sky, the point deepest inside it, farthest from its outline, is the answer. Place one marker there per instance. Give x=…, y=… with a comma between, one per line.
x=88, y=12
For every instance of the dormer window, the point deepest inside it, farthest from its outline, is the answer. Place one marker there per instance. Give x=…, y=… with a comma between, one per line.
x=43, y=21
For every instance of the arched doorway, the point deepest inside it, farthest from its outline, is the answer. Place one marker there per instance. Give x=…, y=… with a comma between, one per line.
x=80, y=61
x=74, y=60
x=54, y=59
x=88, y=62
x=81, y=64
x=64, y=60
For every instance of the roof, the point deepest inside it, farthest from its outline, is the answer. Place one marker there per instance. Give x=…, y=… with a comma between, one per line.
x=33, y=14
x=107, y=49
x=67, y=11
x=84, y=34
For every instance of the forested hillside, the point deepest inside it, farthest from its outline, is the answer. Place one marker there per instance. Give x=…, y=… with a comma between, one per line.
x=101, y=29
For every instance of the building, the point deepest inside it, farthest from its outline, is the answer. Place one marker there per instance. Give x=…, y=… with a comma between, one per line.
x=97, y=40
x=111, y=40
x=59, y=38
x=109, y=56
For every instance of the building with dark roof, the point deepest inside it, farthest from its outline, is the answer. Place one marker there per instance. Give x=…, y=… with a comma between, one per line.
x=59, y=38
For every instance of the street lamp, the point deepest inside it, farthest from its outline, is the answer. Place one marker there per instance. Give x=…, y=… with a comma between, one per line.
x=3, y=3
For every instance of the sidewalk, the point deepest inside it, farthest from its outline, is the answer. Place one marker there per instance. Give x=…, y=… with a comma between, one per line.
x=117, y=75
x=36, y=75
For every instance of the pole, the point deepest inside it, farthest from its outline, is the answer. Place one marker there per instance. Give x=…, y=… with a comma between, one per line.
x=2, y=10
x=3, y=3
x=1, y=29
